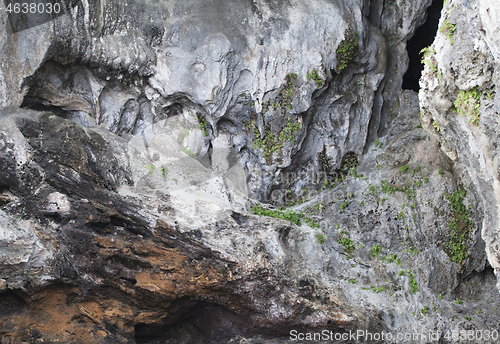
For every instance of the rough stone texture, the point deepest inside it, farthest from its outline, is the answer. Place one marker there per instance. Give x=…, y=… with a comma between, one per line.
x=125, y=197
x=148, y=61
x=470, y=63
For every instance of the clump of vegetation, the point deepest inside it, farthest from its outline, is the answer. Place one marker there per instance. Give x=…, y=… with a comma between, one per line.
x=343, y=205
x=285, y=215
x=347, y=242
x=427, y=58
x=413, y=282
x=436, y=126
x=311, y=223
x=202, y=121
x=459, y=226
x=373, y=189
x=352, y=281
x=164, y=172
x=150, y=168
x=425, y=310
x=321, y=238
x=448, y=29
x=468, y=103
x=401, y=216
x=317, y=79
x=392, y=258
x=346, y=51
x=286, y=94
x=274, y=143
x=375, y=251
x=282, y=213
x=388, y=189
x=404, y=168
x=378, y=290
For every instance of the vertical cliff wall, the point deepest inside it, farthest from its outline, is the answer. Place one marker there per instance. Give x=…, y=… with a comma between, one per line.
x=460, y=104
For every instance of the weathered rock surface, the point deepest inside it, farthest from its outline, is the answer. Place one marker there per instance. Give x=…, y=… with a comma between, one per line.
x=460, y=99
x=135, y=137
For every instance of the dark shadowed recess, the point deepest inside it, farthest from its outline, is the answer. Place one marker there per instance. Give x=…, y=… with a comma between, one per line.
x=423, y=37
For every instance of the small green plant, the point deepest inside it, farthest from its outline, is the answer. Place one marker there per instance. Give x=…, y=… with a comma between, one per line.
x=413, y=283
x=287, y=215
x=479, y=311
x=378, y=144
x=390, y=258
x=419, y=126
x=343, y=205
x=404, y=168
x=398, y=262
x=317, y=79
x=440, y=296
x=425, y=310
x=428, y=59
x=448, y=29
x=388, y=189
x=319, y=207
x=346, y=51
x=468, y=318
x=164, y=172
x=311, y=223
x=458, y=226
x=150, y=168
x=378, y=290
x=352, y=281
x=458, y=302
x=468, y=104
x=379, y=167
x=321, y=238
x=436, y=126
x=375, y=251
x=202, y=121
x=347, y=243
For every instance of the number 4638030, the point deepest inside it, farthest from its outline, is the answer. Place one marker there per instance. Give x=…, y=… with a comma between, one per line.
x=33, y=8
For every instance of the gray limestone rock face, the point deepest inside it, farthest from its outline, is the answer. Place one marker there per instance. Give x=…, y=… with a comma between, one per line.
x=460, y=103
x=253, y=70
x=231, y=171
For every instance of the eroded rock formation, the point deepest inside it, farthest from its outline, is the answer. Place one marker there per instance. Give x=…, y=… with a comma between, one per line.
x=137, y=140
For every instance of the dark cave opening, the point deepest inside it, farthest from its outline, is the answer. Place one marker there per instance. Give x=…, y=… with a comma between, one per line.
x=423, y=37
